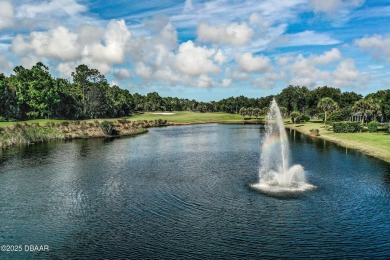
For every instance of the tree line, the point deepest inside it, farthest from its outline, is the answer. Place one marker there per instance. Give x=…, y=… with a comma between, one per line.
x=34, y=93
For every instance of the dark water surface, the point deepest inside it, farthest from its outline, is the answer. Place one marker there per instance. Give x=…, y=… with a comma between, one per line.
x=183, y=192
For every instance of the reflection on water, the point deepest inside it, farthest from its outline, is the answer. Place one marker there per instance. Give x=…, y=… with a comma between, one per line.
x=182, y=192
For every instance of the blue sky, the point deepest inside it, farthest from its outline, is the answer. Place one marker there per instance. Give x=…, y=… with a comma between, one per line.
x=207, y=50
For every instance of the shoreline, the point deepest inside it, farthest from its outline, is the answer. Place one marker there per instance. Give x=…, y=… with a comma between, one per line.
x=20, y=134
x=346, y=140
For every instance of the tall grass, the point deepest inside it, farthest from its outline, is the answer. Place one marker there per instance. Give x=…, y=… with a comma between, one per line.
x=18, y=134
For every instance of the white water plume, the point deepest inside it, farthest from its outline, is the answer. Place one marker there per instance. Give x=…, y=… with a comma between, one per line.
x=275, y=174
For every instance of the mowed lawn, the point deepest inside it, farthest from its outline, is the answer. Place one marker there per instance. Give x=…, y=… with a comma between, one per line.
x=374, y=144
x=186, y=117
x=181, y=117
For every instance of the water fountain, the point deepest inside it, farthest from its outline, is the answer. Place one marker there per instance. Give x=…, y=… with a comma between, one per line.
x=276, y=177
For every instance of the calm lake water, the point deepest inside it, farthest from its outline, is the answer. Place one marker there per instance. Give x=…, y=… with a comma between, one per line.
x=181, y=192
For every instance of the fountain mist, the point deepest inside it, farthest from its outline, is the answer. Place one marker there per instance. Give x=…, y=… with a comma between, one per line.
x=275, y=174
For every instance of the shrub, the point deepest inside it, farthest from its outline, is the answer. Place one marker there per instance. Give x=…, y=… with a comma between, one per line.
x=305, y=118
x=346, y=127
x=335, y=117
x=295, y=115
x=373, y=126
x=3, y=119
x=107, y=127
x=314, y=132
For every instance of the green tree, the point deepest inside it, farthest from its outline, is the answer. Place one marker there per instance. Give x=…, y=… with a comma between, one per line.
x=256, y=112
x=8, y=101
x=294, y=116
x=92, y=86
x=327, y=105
x=362, y=106
x=293, y=98
x=243, y=112
x=283, y=111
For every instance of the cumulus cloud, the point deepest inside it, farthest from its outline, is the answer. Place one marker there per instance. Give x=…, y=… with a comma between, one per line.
x=220, y=57
x=346, y=73
x=112, y=51
x=334, y=8
x=313, y=70
x=144, y=71
x=300, y=70
x=226, y=83
x=6, y=14
x=304, y=72
x=195, y=61
x=95, y=47
x=58, y=43
x=327, y=57
x=377, y=45
x=53, y=7
x=235, y=34
x=249, y=63
x=5, y=64
x=122, y=73
x=205, y=81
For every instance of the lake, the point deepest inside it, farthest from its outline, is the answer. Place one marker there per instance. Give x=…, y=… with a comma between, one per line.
x=184, y=192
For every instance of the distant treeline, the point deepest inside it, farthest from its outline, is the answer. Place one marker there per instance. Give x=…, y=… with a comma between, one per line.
x=34, y=93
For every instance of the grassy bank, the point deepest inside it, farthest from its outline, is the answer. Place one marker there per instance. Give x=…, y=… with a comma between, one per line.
x=27, y=133
x=373, y=144
x=186, y=117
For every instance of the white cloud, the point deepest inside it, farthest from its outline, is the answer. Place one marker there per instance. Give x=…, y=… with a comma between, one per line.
x=309, y=38
x=122, y=73
x=260, y=21
x=249, y=63
x=5, y=64
x=96, y=47
x=346, y=73
x=377, y=45
x=205, y=81
x=58, y=43
x=303, y=72
x=195, y=61
x=6, y=14
x=313, y=70
x=112, y=51
x=234, y=34
x=220, y=57
x=334, y=8
x=144, y=71
x=226, y=83
x=54, y=7
x=327, y=57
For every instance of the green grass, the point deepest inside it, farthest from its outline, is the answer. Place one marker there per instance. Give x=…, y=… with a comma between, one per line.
x=40, y=121
x=374, y=144
x=186, y=117
x=181, y=117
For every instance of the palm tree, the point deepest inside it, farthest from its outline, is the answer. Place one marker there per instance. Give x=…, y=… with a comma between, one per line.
x=363, y=106
x=249, y=112
x=294, y=115
x=243, y=112
x=283, y=111
x=264, y=111
x=327, y=105
x=256, y=112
